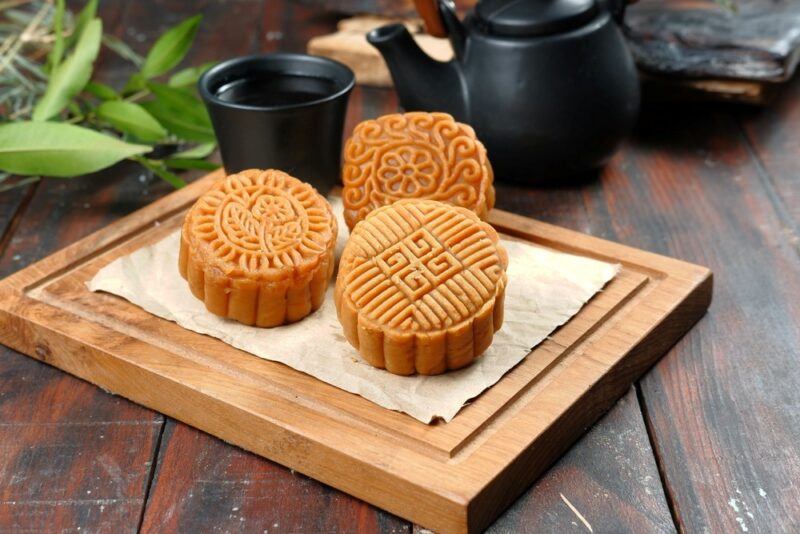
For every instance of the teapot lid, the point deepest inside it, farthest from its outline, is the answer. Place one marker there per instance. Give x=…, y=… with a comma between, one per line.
x=533, y=17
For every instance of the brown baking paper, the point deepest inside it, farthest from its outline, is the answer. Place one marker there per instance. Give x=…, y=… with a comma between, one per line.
x=545, y=288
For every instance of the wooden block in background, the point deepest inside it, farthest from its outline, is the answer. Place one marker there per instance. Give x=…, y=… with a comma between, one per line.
x=664, y=89
x=349, y=45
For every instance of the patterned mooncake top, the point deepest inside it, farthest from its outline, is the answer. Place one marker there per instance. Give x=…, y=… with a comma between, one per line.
x=415, y=155
x=422, y=265
x=264, y=225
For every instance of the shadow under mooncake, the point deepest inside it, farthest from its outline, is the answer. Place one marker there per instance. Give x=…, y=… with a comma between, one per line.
x=258, y=248
x=420, y=287
x=415, y=155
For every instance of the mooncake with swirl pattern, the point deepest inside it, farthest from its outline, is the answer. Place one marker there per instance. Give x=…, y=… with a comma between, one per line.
x=420, y=287
x=415, y=155
x=258, y=248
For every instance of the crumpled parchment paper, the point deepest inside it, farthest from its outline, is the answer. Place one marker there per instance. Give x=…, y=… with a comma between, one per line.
x=545, y=289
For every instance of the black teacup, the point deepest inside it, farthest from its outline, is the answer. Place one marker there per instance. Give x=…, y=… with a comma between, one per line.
x=280, y=111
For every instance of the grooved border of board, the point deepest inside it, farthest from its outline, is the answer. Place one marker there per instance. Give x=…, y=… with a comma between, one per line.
x=453, y=477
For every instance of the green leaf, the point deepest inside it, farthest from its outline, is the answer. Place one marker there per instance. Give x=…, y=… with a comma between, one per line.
x=86, y=15
x=158, y=168
x=131, y=118
x=181, y=101
x=179, y=124
x=75, y=109
x=71, y=76
x=188, y=77
x=181, y=112
x=59, y=149
x=57, y=52
x=119, y=47
x=200, y=151
x=135, y=83
x=170, y=48
x=183, y=164
x=101, y=91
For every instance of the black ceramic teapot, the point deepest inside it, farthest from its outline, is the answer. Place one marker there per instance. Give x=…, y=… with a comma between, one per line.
x=549, y=85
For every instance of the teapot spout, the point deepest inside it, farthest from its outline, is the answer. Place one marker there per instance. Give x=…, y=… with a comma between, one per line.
x=422, y=83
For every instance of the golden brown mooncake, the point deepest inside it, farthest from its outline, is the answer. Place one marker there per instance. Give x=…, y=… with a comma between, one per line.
x=420, y=287
x=258, y=248
x=415, y=155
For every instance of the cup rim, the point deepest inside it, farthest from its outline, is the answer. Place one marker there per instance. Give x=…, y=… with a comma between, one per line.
x=217, y=70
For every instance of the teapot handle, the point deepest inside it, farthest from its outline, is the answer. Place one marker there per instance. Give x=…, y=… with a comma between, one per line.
x=429, y=12
x=617, y=9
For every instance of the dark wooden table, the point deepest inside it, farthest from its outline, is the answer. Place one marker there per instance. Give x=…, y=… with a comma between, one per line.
x=709, y=440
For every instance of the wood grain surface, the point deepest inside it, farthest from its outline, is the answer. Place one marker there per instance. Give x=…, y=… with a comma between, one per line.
x=721, y=408
x=728, y=402
x=202, y=481
x=773, y=137
x=609, y=478
x=72, y=454
x=454, y=477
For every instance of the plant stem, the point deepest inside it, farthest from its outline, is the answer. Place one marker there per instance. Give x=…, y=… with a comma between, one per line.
x=14, y=48
x=158, y=168
x=20, y=112
x=6, y=44
x=19, y=183
x=13, y=3
x=135, y=97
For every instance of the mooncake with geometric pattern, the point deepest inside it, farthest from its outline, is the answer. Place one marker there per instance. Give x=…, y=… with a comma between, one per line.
x=420, y=287
x=258, y=248
x=415, y=155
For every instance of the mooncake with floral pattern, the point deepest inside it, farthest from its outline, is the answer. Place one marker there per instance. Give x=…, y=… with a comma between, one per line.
x=415, y=155
x=258, y=248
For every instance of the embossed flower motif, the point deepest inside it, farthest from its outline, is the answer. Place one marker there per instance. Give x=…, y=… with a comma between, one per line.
x=408, y=170
x=280, y=227
x=273, y=208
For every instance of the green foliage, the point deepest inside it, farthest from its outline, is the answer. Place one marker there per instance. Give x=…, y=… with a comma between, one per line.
x=179, y=124
x=200, y=151
x=101, y=91
x=119, y=47
x=132, y=119
x=170, y=48
x=180, y=112
x=86, y=15
x=159, y=168
x=181, y=101
x=179, y=163
x=69, y=78
x=64, y=124
x=188, y=77
x=57, y=52
x=58, y=149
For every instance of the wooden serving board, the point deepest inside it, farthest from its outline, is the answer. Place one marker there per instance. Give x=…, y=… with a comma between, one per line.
x=449, y=477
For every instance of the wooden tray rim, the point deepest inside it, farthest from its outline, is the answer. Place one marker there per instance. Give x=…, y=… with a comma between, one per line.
x=463, y=485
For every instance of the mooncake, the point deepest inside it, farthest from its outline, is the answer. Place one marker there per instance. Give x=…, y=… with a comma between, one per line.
x=420, y=287
x=258, y=248
x=415, y=155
